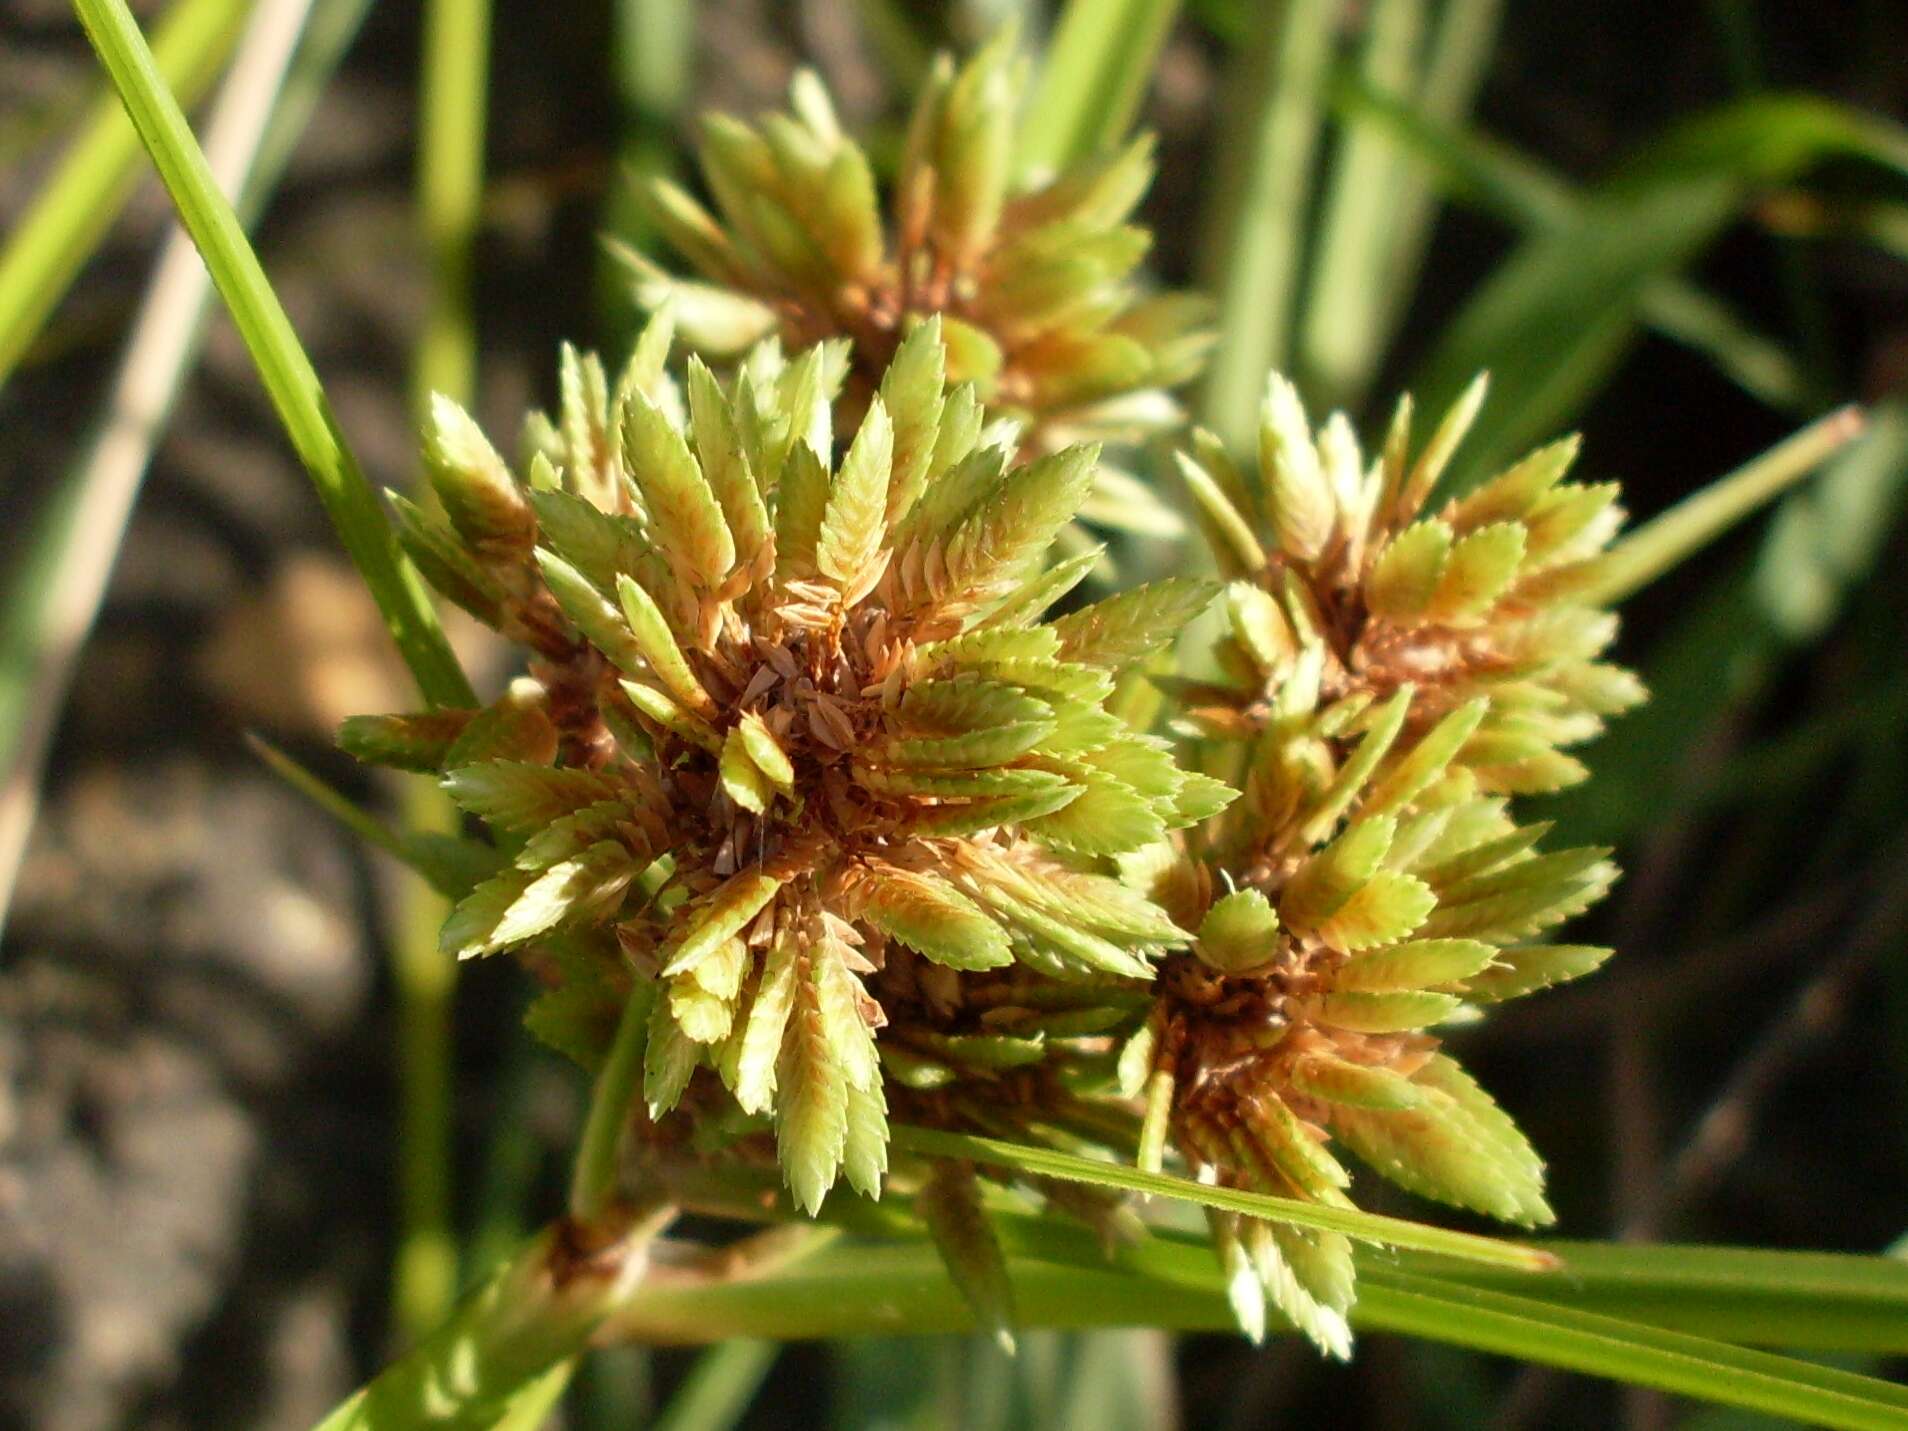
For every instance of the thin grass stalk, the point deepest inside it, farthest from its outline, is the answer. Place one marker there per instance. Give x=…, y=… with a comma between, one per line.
x=1338, y=343
x=719, y=1387
x=593, y=1178
x=424, y=1270
x=1100, y=58
x=96, y=176
x=1522, y=192
x=1665, y=541
x=450, y=176
x=1256, y=229
x=56, y=595
x=1456, y=63
x=450, y=180
x=336, y=804
x=282, y=363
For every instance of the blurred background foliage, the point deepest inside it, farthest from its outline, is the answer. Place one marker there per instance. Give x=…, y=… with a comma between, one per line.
x=1682, y=229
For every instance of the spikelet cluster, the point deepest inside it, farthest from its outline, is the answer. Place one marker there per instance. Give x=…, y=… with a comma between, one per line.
x=1390, y=676
x=802, y=767
x=1035, y=284
x=797, y=750
x=1338, y=563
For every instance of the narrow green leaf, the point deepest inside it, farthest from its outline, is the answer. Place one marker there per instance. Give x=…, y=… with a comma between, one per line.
x=1091, y=80
x=1365, y=1226
x=1255, y=228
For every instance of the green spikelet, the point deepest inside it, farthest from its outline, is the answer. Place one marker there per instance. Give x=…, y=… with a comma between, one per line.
x=1391, y=673
x=1033, y=295
x=797, y=745
x=803, y=775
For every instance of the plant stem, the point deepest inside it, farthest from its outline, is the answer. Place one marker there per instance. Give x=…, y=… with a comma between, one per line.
x=1257, y=228
x=719, y=1387
x=653, y=54
x=507, y=1350
x=1665, y=541
x=347, y=813
x=1459, y=57
x=450, y=172
x=1339, y=332
x=1100, y=58
x=1365, y=1226
x=424, y=1271
x=450, y=177
x=593, y=1182
x=95, y=178
x=285, y=369
x=852, y=1289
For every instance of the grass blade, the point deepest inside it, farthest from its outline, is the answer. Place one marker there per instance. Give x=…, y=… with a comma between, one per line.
x=1829, y=1301
x=1099, y=61
x=450, y=181
x=1256, y=228
x=96, y=177
x=1628, y=1352
x=855, y=1288
x=450, y=177
x=1558, y=314
x=1460, y=54
x=340, y=807
x=1338, y=344
x=1365, y=1226
x=1672, y=537
x=282, y=363
x=1496, y=179
x=719, y=1387
x=1823, y=540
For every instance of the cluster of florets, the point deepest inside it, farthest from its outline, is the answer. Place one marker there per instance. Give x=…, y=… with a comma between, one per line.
x=1034, y=282
x=798, y=750
x=1388, y=679
x=802, y=762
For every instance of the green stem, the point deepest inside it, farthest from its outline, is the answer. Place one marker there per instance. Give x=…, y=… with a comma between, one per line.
x=450, y=174
x=1459, y=57
x=1365, y=1226
x=593, y=1183
x=652, y=57
x=352, y=816
x=719, y=1387
x=1099, y=60
x=1339, y=329
x=283, y=366
x=424, y=1273
x=1253, y=243
x=96, y=177
x=1663, y=542
x=450, y=178
x=55, y=597
x=505, y=1354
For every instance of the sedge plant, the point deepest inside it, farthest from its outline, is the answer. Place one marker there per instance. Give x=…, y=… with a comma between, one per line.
x=825, y=823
